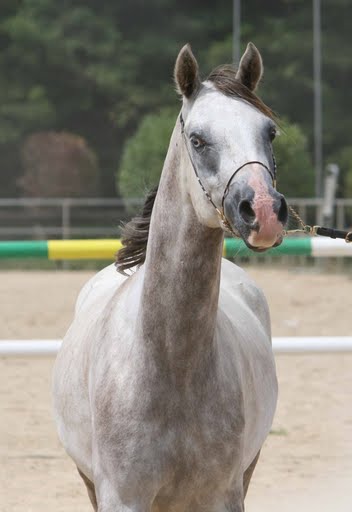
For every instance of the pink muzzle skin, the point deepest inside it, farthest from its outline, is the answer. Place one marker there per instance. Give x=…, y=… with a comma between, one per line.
x=269, y=228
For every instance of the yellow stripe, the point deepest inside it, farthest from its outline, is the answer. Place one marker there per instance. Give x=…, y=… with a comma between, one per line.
x=83, y=249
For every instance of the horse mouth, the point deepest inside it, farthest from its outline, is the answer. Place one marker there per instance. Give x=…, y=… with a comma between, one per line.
x=259, y=249
x=263, y=249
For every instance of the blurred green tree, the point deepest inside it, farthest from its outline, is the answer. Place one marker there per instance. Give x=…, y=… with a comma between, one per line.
x=295, y=172
x=144, y=154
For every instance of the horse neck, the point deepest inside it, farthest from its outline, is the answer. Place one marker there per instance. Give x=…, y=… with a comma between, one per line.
x=182, y=271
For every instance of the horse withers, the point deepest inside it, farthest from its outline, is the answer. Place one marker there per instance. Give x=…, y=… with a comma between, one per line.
x=165, y=385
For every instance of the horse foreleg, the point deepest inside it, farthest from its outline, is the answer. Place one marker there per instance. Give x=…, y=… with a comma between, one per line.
x=248, y=474
x=90, y=490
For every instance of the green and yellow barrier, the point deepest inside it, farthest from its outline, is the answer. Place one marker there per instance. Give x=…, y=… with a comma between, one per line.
x=105, y=249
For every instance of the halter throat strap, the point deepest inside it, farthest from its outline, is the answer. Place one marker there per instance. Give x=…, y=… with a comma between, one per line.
x=221, y=212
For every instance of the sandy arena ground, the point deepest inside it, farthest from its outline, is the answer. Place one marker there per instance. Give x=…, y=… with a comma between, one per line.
x=306, y=463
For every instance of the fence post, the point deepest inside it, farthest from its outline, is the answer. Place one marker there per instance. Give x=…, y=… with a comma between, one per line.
x=65, y=225
x=340, y=215
x=65, y=219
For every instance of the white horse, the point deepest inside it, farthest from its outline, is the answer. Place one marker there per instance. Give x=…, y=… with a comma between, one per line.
x=165, y=386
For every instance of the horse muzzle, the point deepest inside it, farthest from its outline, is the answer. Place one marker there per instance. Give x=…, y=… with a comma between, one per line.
x=257, y=212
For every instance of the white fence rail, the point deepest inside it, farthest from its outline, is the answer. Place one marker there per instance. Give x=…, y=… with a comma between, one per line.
x=281, y=345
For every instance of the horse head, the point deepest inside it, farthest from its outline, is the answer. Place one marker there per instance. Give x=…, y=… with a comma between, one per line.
x=227, y=151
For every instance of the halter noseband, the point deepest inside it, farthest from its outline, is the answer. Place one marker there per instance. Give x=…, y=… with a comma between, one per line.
x=221, y=212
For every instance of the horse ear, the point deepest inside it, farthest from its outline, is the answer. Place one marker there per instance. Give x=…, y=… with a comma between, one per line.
x=186, y=72
x=251, y=68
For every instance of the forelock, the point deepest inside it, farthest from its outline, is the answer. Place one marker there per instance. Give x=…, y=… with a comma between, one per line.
x=225, y=81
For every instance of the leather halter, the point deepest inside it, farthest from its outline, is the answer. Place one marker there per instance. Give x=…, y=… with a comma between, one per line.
x=221, y=212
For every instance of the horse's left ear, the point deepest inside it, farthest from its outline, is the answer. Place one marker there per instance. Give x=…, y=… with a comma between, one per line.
x=251, y=68
x=186, y=72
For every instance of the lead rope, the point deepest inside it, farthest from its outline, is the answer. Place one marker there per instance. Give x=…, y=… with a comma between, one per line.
x=317, y=230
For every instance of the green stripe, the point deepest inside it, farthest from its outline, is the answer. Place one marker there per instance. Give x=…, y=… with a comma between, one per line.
x=30, y=249
x=294, y=246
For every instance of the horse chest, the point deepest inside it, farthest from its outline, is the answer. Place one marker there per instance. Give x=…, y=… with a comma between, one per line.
x=202, y=448
x=202, y=436
x=178, y=442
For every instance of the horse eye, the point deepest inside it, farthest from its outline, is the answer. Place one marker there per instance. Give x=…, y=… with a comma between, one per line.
x=272, y=133
x=197, y=143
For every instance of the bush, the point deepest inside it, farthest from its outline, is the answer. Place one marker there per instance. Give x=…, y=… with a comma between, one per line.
x=295, y=172
x=58, y=165
x=144, y=153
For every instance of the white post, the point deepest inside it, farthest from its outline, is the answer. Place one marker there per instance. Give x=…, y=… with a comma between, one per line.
x=330, y=184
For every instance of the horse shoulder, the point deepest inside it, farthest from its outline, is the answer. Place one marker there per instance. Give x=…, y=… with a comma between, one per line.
x=245, y=323
x=237, y=287
x=87, y=345
x=105, y=311
x=98, y=285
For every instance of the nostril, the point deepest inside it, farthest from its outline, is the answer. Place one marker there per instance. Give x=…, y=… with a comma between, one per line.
x=283, y=211
x=246, y=212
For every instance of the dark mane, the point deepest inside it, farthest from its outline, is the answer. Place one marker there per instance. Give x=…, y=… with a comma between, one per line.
x=224, y=79
x=135, y=237
x=135, y=233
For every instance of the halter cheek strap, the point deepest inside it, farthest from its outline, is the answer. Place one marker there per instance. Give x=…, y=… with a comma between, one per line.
x=225, y=223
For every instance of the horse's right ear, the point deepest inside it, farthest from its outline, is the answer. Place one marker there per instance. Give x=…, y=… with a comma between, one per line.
x=186, y=72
